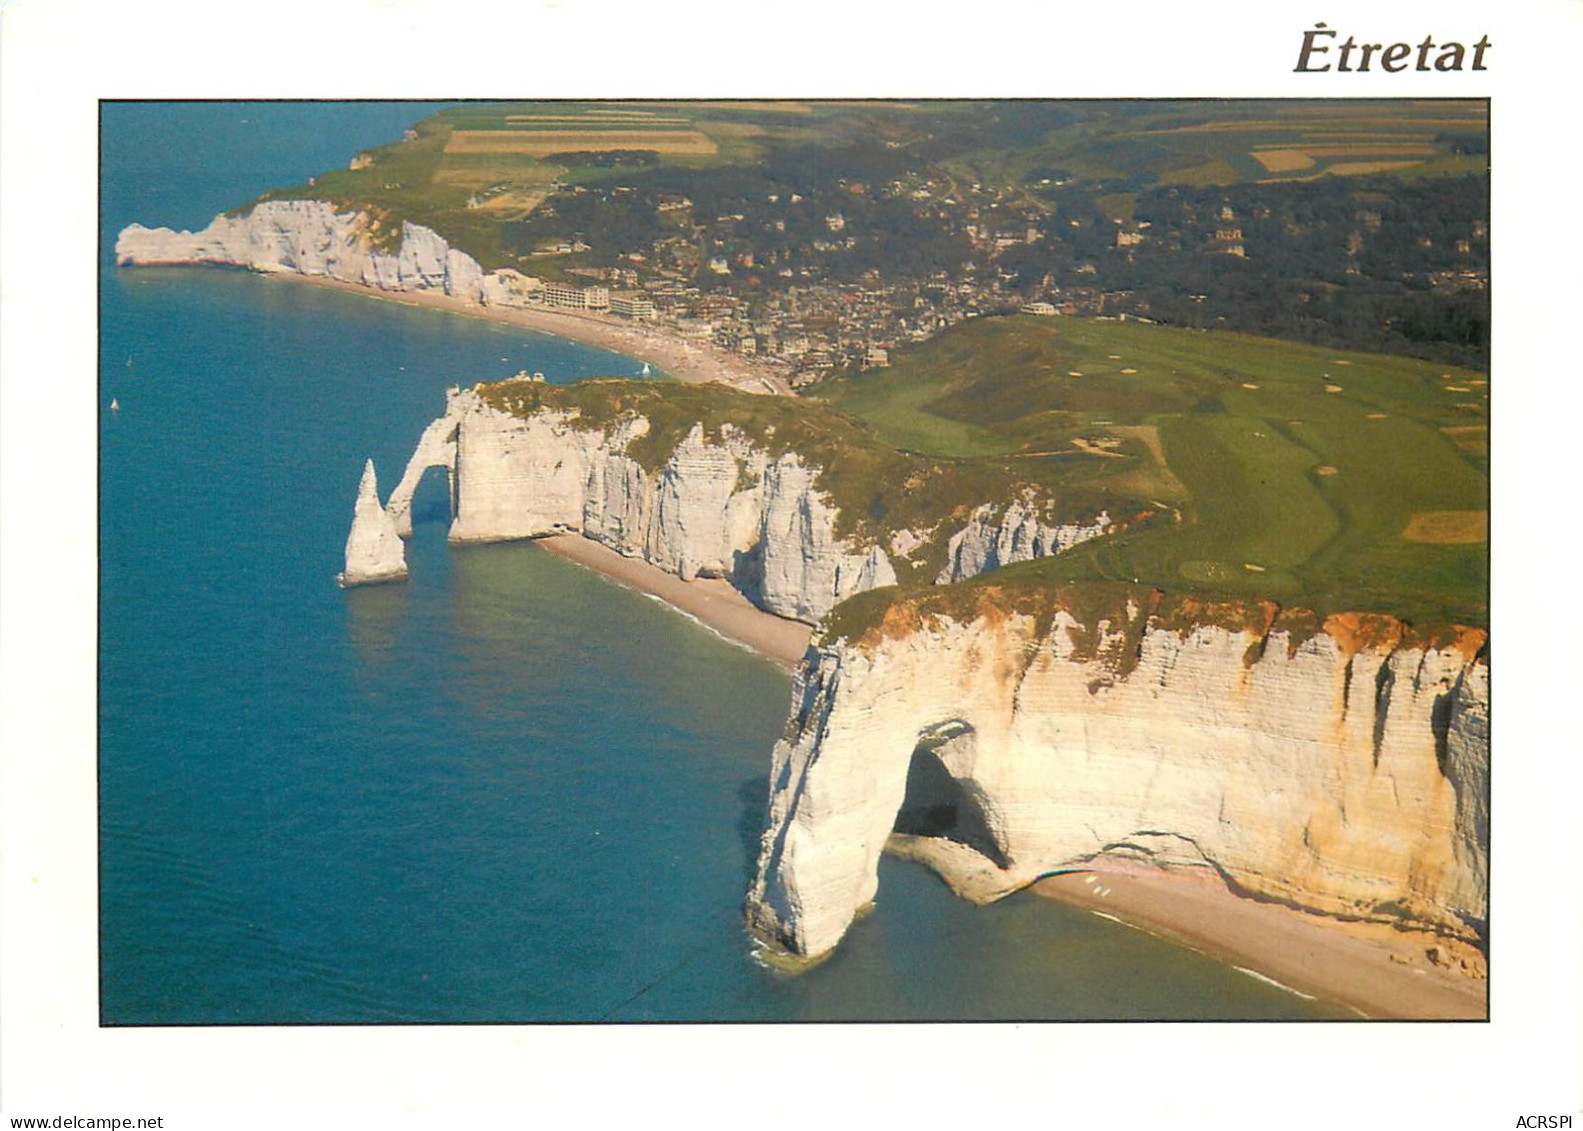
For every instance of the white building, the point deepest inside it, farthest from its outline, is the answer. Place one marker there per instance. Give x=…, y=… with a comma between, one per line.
x=631, y=305
x=564, y=295
x=569, y=297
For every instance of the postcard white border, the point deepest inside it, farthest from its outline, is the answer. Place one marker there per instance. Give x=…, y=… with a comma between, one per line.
x=60, y=58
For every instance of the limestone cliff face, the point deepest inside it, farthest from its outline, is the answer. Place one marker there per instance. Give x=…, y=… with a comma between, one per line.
x=1342, y=768
x=1017, y=535
x=309, y=237
x=374, y=551
x=717, y=507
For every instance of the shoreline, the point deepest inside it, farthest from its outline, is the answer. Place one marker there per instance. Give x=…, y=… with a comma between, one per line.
x=1376, y=970
x=711, y=601
x=671, y=355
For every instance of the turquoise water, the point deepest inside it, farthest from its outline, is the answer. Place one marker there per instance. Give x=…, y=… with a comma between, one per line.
x=506, y=791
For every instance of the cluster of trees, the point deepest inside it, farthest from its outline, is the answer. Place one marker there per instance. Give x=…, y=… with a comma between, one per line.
x=785, y=203
x=1376, y=263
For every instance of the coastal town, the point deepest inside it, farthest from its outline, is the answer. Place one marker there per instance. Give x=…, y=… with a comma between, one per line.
x=786, y=285
x=713, y=289
x=796, y=242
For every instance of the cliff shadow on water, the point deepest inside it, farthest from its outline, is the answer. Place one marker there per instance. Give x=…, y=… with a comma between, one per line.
x=754, y=796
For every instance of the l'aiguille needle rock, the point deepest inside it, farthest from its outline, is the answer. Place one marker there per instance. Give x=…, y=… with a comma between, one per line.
x=374, y=550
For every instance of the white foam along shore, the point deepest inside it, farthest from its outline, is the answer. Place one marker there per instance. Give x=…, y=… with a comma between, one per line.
x=1373, y=969
x=711, y=601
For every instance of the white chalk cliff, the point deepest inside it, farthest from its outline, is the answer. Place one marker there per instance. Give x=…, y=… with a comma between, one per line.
x=374, y=550
x=309, y=237
x=1340, y=768
x=719, y=507
x=1017, y=535
x=774, y=538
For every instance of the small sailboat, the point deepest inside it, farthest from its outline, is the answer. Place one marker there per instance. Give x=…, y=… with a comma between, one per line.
x=645, y=372
x=115, y=405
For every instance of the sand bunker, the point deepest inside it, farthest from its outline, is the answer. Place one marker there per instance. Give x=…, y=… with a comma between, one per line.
x=1283, y=160
x=1103, y=446
x=1448, y=528
x=1471, y=438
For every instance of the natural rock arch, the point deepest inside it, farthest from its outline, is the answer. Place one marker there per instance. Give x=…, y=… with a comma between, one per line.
x=436, y=448
x=1275, y=757
x=433, y=498
x=939, y=805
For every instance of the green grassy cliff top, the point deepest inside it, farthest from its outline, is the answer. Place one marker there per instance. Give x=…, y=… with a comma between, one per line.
x=1235, y=467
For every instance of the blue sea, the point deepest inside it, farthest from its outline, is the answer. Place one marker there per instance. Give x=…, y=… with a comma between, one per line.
x=507, y=791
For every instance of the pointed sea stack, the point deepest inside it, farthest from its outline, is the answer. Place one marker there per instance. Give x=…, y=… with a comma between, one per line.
x=374, y=551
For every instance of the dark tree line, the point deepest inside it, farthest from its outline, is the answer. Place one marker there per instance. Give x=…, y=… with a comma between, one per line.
x=1377, y=263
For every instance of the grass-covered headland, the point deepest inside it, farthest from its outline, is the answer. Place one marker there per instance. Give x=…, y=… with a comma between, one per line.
x=1234, y=467
x=1237, y=468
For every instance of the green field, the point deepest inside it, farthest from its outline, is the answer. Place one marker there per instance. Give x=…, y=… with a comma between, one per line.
x=1299, y=489
x=1201, y=143
x=461, y=159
